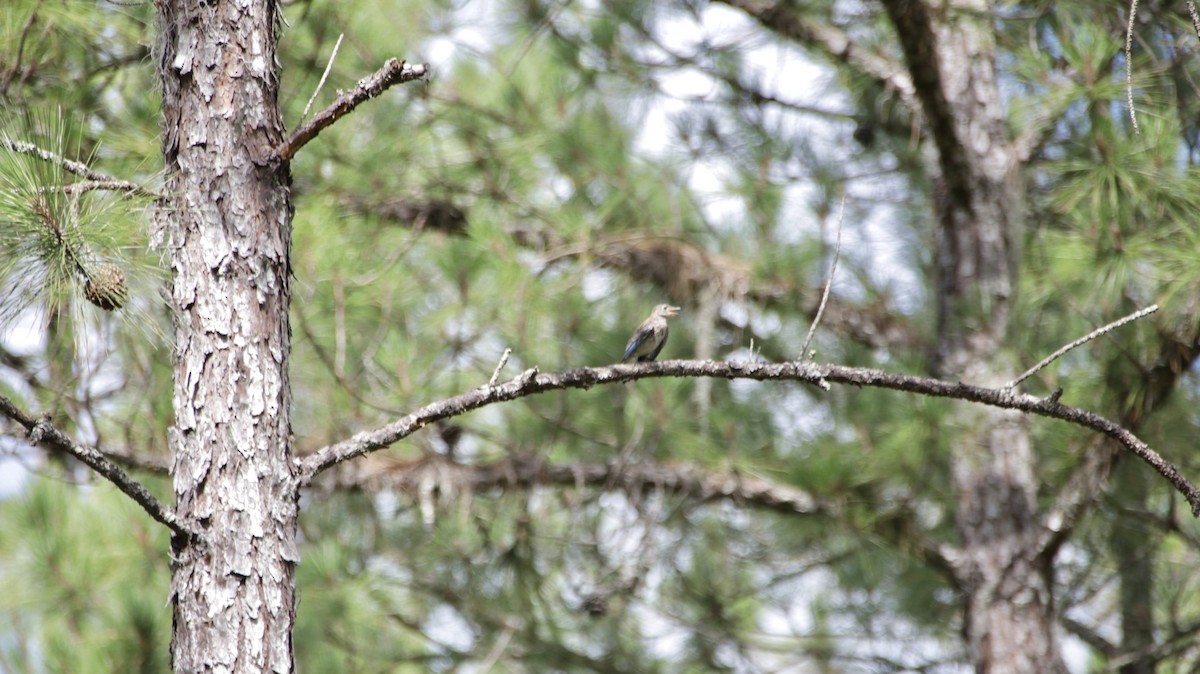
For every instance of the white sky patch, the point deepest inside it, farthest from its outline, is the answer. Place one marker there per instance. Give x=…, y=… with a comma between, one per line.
x=472, y=24
x=13, y=474
x=22, y=337
x=445, y=625
x=598, y=284
x=872, y=235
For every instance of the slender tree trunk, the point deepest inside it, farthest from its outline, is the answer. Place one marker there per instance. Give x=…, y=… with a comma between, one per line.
x=1009, y=622
x=228, y=224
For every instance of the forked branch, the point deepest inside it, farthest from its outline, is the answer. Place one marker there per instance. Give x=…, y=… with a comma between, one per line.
x=394, y=71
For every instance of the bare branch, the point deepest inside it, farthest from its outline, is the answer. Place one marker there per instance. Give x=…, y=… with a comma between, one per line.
x=499, y=367
x=914, y=23
x=837, y=251
x=394, y=71
x=324, y=76
x=99, y=181
x=532, y=382
x=41, y=432
x=103, y=185
x=449, y=478
x=1089, y=636
x=1083, y=340
x=1129, y=65
x=530, y=471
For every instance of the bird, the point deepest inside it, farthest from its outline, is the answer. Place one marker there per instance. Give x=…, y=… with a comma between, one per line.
x=648, y=340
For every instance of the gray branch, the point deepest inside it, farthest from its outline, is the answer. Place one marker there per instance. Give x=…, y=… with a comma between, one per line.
x=42, y=432
x=394, y=71
x=532, y=382
x=96, y=180
x=451, y=477
x=1081, y=341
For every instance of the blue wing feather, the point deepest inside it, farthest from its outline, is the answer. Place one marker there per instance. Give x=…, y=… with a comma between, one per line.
x=636, y=342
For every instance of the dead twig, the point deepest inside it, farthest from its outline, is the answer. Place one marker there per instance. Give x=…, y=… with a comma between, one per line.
x=837, y=251
x=1129, y=64
x=97, y=180
x=1082, y=340
x=324, y=76
x=499, y=366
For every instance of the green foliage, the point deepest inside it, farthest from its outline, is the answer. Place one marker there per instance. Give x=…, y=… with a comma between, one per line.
x=527, y=197
x=85, y=575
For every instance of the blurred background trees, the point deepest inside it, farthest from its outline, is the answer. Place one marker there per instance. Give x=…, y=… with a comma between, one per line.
x=568, y=166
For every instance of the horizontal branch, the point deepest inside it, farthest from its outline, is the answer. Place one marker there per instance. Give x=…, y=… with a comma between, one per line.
x=434, y=473
x=532, y=382
x=95, y=179
x=451, y=477
x=394, y=71
x=41, y=432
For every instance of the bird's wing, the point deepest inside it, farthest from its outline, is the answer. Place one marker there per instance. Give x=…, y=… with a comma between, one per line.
x=661, y=343
x=635, y=342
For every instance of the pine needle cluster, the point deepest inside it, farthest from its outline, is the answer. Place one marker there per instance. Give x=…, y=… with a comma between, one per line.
x=60, y=240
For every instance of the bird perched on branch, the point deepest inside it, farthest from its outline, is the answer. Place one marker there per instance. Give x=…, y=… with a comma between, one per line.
x=650, y=336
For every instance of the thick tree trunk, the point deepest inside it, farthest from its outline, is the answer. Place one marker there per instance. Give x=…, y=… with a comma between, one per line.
x=228, y=224
x=1009, y=622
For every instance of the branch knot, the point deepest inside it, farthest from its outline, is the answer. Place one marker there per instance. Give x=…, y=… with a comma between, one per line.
x=40, y=429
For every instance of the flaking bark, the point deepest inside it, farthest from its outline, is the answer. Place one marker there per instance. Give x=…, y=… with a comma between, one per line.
x=228, y=226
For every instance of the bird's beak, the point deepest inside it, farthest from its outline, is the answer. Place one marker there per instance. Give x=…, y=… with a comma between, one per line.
x=673, y=311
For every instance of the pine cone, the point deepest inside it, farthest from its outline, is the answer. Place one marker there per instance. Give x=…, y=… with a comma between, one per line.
x=105, y=287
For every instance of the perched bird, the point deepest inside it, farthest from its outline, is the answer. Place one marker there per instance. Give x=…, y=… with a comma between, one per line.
x=650, y=336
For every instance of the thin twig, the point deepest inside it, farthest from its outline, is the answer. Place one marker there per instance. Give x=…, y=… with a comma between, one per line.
x=101, y=180
x=837, y=251
x=1129, y=64
x=1082, y=340
x=324, y=76
x=499, y=366
x=394, y=71
x=42, y=432
x=1195, y=17
x=97, y=185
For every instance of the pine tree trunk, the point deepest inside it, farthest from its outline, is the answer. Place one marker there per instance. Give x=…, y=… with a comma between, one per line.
x=228, y=224
x=1009, y=621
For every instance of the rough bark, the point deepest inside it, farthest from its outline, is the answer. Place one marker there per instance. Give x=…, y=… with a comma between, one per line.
x=228, y=223
x=1009, y=621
